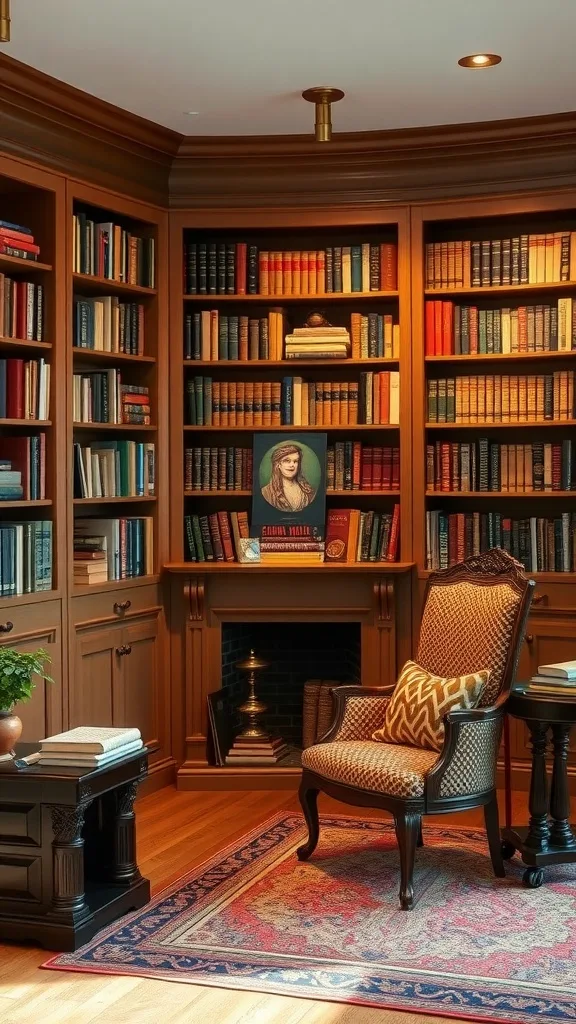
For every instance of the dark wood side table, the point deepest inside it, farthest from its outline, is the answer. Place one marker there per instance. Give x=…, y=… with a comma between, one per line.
x=68, y=850
x=548, y=838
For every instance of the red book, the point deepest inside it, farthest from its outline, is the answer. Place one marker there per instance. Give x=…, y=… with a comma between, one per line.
x=241, y=268
x=20, y=235
x=23, y=243
x=388, y=269
x=392, y=552
x=395, y=469
x=447, y=328
x=377, y=469
x=367, y=459
x=15, y=389
x=226, y=535
x=387, y=457
x=21, y=291
x=438, y=325
x=342, y=535
x=429, y=348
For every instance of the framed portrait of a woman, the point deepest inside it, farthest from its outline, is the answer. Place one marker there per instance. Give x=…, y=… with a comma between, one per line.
x=289, y=480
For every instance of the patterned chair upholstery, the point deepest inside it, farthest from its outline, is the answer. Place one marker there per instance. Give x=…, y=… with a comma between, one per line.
x=474, y=618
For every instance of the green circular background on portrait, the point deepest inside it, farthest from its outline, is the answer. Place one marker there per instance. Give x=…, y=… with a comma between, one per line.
x=311, y=467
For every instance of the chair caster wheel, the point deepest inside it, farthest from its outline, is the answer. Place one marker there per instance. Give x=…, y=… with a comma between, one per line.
x=533, y=878
x=507, y=850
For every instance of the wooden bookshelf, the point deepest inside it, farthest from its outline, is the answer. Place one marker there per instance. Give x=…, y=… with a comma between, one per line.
x=321, y=298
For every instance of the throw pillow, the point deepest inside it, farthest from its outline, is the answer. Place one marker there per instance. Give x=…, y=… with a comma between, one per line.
x=415, y=711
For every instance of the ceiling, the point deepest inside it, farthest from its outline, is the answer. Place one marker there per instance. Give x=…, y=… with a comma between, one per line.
x=242, y=64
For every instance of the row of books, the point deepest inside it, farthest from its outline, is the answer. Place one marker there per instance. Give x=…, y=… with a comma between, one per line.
x=23, y=468
x=17, y=240
x=211, y=337
x=374, y=336
x=21, y=309
x=25, y=557
x=524, y=259
x=119, y=548
x=502, y=398
x=114, y=469
x=293, y=401
x=542, y=545
x=101, y=397
x=219, y=268
x=467, y=330
x=24, y=389
x=218, y=469
x=353, y=466
x=355, y=536
x=216, y=537
x=489, y=466
x=107, y=325
x=106, y=249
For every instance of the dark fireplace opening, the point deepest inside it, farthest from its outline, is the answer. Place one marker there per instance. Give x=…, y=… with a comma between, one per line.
x=298, y=652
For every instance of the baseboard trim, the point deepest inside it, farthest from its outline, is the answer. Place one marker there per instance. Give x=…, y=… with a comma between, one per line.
x=237, y=779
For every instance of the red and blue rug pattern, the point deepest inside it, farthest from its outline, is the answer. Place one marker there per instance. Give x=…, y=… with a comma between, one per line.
x=255, y=918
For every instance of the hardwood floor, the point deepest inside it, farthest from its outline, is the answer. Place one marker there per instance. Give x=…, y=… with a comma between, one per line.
x=175, y=832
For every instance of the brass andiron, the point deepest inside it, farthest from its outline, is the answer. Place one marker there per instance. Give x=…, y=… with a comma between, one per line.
x=252, y=707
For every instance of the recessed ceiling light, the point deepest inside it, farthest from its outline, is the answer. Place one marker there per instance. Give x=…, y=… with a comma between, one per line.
x=480, y=60
x=192, y=113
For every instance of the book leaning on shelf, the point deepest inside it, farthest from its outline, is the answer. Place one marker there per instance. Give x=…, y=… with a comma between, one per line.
x=522, y=259
x=25, y=557
x=219, y=268
x=18, y=240
x=24, y=389
x=126, y=543
x=486, y=466
x=89, y=747
x=558, y=679
x=293, y=401
x=114, y=469
x=541, y=544
x=107, y=325
x=502, y=398
x=106, y=249
x=21, y=309
x=468, y=330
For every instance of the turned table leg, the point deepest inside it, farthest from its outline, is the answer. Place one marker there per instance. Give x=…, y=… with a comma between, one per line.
x=68, y=860
x=125, y=869
x=560, y=830
x=538, y=830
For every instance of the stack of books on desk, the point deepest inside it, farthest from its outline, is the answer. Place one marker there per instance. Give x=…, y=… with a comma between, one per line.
x=89, y=747
x=555, y=679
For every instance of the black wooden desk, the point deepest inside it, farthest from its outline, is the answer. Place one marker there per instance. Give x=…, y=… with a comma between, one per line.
x=548, y=839
x=67, y=850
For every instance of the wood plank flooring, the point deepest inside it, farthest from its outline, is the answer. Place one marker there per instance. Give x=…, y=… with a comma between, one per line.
x=175, y=832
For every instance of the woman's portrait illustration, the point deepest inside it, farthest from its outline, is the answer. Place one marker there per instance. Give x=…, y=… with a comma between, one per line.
x=288, y=490
x=289, y=481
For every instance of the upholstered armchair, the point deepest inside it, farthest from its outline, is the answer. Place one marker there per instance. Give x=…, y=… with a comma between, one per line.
x=474, y=618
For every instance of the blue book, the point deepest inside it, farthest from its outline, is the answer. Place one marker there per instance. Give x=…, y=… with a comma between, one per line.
x=287, y=400
x=380, y=347
x=11, y=492
x=15, y=227
x=356, y=268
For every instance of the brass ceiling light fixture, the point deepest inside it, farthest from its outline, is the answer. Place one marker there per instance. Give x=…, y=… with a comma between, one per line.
x=4, y=21
x=323, y=98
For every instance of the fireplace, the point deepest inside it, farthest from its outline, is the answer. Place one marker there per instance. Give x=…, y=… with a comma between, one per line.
x=297, y=652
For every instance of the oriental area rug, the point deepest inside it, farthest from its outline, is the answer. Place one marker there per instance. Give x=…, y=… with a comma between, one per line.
x=255, y=918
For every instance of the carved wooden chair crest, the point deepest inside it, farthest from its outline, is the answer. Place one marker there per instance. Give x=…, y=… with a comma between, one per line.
x=474, y=618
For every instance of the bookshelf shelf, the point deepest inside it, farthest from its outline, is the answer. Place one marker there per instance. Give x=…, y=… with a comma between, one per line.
x=26, y=503
x=113, y=585
x=38, y=597
x=501, y=289
x=25, y=423
x=93, y=355
x=501, y=494
x=93, y=285
x=132, y=427
x=15, y=265
x=528, y=424
x=293, y=428
x=22, y=343
x=284, y=364
x=507, y=357
x=275, y=300
x=382, y=568
x=329, y=494
x=116, y=501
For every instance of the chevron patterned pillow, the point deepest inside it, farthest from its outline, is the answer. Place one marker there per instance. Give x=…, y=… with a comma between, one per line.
x=415, y=712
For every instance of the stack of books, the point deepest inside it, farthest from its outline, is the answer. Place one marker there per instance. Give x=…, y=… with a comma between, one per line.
x=17, y=240
x=247, y=751
x=317, y=343
x=90, y=564
x=89, y=747
x=10, y=482
x=291, y=545
x=559, y=679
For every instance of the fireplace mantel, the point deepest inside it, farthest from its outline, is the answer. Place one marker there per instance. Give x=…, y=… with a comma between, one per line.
x=202, y=597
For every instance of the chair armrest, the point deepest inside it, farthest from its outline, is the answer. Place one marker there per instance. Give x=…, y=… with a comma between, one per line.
x=358, y=711
x=467, y=763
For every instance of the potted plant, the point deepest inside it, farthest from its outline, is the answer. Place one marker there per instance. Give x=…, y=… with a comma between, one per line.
x=17, y=684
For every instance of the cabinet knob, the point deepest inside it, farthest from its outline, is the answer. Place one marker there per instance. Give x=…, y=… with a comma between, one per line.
x=539, y=598
x=121, y=606
x=122, y=651
x=529, y=638
x=6, y=627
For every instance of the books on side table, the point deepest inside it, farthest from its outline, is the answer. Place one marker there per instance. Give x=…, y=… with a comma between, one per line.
x=89, y=747
x=555, y=679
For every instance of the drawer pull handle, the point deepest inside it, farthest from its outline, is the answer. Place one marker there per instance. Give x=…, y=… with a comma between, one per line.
x=539, y=598
x=6, y=627
x=125, y=649
x=121, y=606
x=529, y=638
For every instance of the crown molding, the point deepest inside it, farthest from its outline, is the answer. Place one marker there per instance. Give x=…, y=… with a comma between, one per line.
x=407, y=165
x=47, y=121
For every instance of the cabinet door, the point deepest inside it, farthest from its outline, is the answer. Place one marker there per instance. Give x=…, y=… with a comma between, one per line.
x=139, y=699
x=93, y=688
x=42, y=714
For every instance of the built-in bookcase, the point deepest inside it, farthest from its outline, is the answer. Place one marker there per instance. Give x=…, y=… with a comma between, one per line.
x=494, y=361
x=116, y=375
x=244, y=279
